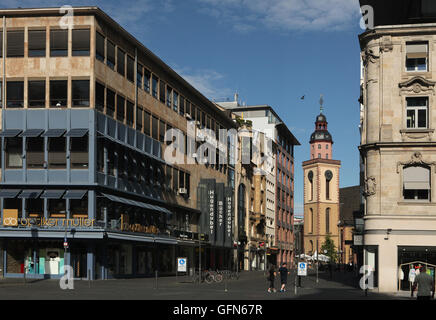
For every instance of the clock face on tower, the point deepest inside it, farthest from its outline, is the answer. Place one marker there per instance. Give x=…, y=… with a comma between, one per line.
x=328, y=175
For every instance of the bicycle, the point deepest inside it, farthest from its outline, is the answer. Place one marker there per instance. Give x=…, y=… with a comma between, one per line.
x=211, y=276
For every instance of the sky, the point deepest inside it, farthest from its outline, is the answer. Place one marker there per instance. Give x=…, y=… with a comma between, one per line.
x=268, y=51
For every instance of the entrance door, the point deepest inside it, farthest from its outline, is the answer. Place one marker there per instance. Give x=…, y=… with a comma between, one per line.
x=79, y=264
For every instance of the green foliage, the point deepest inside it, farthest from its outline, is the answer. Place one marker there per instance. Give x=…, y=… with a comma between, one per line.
x=241, y=122
x=330, y=247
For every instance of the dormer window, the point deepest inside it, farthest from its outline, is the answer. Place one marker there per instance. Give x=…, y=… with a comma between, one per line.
x=416, y=56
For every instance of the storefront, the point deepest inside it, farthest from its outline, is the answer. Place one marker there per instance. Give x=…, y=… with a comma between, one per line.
x=410, y=261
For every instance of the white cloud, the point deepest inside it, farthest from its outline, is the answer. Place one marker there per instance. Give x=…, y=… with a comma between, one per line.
x=286, y=15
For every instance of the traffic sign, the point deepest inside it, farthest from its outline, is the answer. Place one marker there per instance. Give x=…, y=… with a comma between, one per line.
x=181, y=264
x=302, y=269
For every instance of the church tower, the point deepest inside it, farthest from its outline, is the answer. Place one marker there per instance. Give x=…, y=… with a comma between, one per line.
x=321, y=189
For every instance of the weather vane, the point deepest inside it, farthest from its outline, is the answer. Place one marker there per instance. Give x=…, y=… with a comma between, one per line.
x=321, y=102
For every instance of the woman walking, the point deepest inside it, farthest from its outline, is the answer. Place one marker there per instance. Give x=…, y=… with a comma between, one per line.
x=271, y=278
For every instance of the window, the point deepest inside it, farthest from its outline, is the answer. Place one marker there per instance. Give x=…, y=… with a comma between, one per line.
x=155, y=81
x=79, y=207
x=169, y=97
x=15, y=94
x=130, y=113
x=99, y=97
x=58, y=93
x=319, y=146
x=130, y=68
x=121, y=108
x=36, y=94
x=139, y=116
x=14, y=152
x=99, y=47
x=79, y=152
x=319, y=155
x=58, y=43
x=154, y=128
x=15, y=43
x=416, y=113
x=80, y=93
x=57, y=208
x=311, y=222
x=147, y=125
x=1, y=44
x=416, y=56
x=175, y=101
x=162, y=91
x=35, y=153
x=175, y=180
x=327, y=146
x=416, y=183
x=147, y=76
x=35, y=208
x=327, y=220
x=161, y=131
x=80, y=42
x=139, y=76
x=57, y=153
x=36, y=43
x=121, y=56
x=110, y=61
x=110, y=103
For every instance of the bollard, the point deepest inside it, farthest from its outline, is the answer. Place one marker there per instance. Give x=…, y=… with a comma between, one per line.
x=89, y=278
x=225, y=283
x=156, y=276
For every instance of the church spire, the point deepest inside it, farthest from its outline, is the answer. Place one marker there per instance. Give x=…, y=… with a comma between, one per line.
x=321, y=103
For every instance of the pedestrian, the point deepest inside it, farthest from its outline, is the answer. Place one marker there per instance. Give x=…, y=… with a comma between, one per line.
x=271, y=278
x=425, y=284
x=283, y=276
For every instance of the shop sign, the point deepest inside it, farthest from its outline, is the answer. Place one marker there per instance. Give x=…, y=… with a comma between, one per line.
x=126, y=226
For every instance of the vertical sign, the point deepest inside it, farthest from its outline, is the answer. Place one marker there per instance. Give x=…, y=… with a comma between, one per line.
x=211, y=197
x=220, y=223
x=229, y=217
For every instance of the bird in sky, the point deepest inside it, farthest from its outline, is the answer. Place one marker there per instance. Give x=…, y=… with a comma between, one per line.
x=302, y=98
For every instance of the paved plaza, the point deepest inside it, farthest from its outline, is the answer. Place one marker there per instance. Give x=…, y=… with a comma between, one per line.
x=250, y=286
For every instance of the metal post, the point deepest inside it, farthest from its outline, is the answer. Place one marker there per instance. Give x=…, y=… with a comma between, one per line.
x=156, y=276
x=199, y=259
x=89, y=278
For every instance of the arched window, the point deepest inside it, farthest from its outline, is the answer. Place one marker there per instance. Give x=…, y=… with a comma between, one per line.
x=327, y=220
x=416, y=183
x=310, y=177
x=328, y=178
x=311, y=220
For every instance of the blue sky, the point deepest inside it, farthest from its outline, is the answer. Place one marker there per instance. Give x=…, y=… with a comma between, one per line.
x=269, y=51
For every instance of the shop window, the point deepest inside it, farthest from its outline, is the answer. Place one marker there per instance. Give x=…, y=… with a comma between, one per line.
x=36, y=43
x=58, y=43
x=14, y=153
x=147, y=78
x=35, y=208
x=80, y=93
x=130, y=68
x=57, y=208
x=416, y=183
x=139, y=74
x=130, y=113
x=79, y=207
x=35, y=153
x=121, y=64
x=15, y=94
x=15, y=43
x=99, y=96
x=80, y=42
x=57, y=153
x=58, y=93
x=110, y=61
x=147, y=123
x=79, y=152
x=110, y=103
x=99, y=47
x=121, y=108
x=36, y=94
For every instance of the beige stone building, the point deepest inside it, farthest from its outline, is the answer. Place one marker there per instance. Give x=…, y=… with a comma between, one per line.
x=398, y=143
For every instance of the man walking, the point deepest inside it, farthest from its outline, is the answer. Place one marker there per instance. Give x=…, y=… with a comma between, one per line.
x=283, y=276
x=425, y=285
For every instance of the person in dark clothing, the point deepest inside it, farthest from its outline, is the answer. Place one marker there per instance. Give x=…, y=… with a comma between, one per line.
x=271, y=278
x=425, y=284
x=283, y=276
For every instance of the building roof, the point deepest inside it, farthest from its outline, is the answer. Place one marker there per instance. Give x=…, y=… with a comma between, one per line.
x=321, y=135
x=349, y=199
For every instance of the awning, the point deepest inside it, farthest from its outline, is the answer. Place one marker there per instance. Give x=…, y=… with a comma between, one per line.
x=416, y=178
x=417, y=51
x=32, y=133
x=136, y=203
x=75, y=194
x=30, y=194
x=77, y=133
x=9, y=193
x=52, y=194
x=10, y=133
x=54, y=133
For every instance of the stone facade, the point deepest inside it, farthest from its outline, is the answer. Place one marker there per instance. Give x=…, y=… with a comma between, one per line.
x=389, y=145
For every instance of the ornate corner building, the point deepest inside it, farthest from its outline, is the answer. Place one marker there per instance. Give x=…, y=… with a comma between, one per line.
x=398, y=142
x=321, y=190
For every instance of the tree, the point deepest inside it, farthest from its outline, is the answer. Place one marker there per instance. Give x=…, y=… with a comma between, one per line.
x=330, y=247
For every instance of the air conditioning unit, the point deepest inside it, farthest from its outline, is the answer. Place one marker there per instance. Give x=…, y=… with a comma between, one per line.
x=183, y=191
